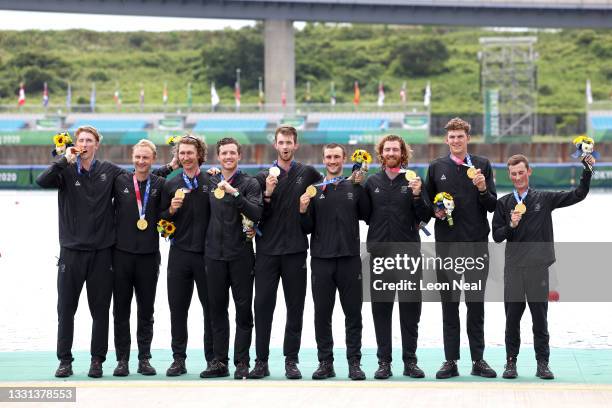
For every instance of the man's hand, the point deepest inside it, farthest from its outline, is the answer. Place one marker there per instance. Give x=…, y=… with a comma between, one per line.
x=175, y=204
x=227, y=187
x=213, y=171
x=416, y=184
x=357, y=177
x=479, y=181
x=271, y=183
x=589, y=159
x=515, y=218
x=250, y=233
x=440, y=213
x=71, y=154
x=304, y=202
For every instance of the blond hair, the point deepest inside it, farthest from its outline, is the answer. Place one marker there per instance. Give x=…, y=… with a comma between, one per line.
x=146, y=143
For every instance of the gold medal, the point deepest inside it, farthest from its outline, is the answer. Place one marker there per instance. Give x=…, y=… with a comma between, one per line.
x=520, y=208
x=274, y=171
x=410, y=175
x=471, y=172
x=219, y=193
x=179, y=193
x=142, y=224
x=311, y=191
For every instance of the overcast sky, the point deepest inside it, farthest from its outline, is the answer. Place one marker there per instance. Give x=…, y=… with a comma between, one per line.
x=26, y=20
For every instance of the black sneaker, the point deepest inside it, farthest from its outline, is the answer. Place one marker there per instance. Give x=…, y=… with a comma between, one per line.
x=64, y=369
x=95, y=368
x=448, y=370
x=216, y=369
x=242, y=371
x=176, y=368
x=510, y=368
x=544, y=371
x=292, y=372
x=411, y=369
x=260, y=370
x=355, y=371
x=122, y=369
x=325, y=370
x=145, y=368
x=482, y=369
x=384, y=370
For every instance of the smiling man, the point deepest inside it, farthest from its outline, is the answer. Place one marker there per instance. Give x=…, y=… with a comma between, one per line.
x=189, y=210
x=332, y=218
x=86, y=234
x=397, y=210
x=523, y=218
x=230, y=258
x=136, y=258
x=469, y=180
x=281, y=252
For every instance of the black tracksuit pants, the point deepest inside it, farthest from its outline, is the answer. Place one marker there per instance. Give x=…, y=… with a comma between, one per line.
x=344, y=274
x=185, y=268
x=531, y=283
x=269, y=269
x=410, y=305
x=74, y=269
x=474, y=301
x=134, y=273
x=237, y=275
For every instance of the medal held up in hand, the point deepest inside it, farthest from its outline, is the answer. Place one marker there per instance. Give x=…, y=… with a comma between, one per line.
x=584, y=146
x=274, y=171
x=444, y=201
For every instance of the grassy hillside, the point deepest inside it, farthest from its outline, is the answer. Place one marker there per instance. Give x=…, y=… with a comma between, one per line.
x=340, y=53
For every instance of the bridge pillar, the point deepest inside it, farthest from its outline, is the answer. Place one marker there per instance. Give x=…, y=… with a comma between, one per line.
x=279, y=62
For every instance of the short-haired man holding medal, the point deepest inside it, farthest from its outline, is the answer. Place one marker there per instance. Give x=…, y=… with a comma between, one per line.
x=331, y=214
x=185, y=203
x=398, y=208
x=136, y=258
x=469, y=181
x=281, y=252
x=230, y=258
x=525, y=217
x=86, y=234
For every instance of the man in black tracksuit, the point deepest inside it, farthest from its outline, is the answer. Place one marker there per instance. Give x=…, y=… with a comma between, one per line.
x=186, y=259
x=468, y=236
x=230, y=258
x=529, y=254
x=281, y=253
x=332, y=218
x=397, y=209
x=86, y=234
x=136, y=255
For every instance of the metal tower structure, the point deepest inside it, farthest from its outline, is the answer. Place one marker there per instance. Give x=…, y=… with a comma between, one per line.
x=508, y=79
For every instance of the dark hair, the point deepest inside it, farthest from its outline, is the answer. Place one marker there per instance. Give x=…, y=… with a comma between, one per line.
x=286, y=131
x=199, y=144
x=226, y=141
x=333, y=146
x=516, y=159
x=406, y=151
x=458, y=124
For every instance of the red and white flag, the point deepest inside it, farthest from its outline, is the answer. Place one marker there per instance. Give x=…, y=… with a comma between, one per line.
x=22, y=98
x=381, y=94
x=284, y=94
x=403, y=93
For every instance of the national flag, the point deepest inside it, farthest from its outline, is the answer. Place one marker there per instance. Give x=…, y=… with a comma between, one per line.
x=589, y=92
x=142, y=98
x=69, y=97
x=117, y=97
x=427, y=96
x=381, y=94
x=332, y=95
x=284, y=94
x=357, y=95
x=189, y=95
x=237, y=93
x=403, y=93
x=92, y=97
x=45, y=95
x=261, y=99
x=214, y=96
x=22, y=98
x=165, y=94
